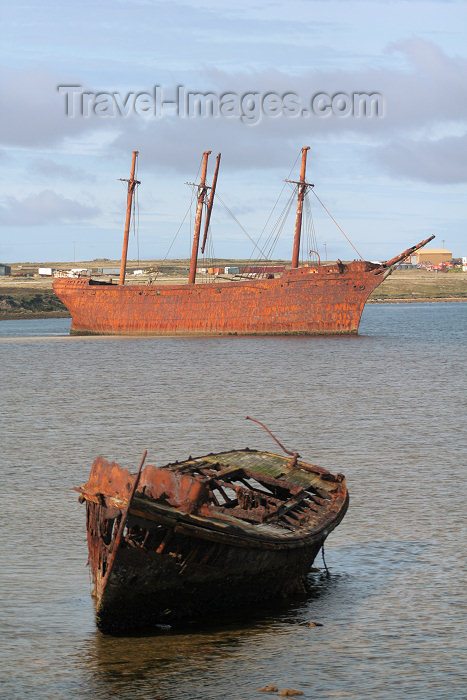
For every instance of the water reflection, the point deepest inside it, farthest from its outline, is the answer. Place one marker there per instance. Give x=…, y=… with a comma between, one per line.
x=192, y=653
x=191, y=657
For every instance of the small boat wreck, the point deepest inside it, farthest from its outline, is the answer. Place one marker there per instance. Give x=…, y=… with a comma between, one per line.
x=185, y=541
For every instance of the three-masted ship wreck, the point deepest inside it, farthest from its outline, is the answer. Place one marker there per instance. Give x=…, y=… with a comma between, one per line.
x=204, y=536
x=303, y=299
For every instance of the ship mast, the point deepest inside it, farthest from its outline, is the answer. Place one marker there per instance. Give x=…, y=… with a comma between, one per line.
x=131, y=188
x=302, y=188
x=210, y=203
x=202, y=189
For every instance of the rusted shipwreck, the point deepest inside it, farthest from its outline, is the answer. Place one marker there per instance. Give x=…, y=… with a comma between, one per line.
x=179, y=543
x=304, y=299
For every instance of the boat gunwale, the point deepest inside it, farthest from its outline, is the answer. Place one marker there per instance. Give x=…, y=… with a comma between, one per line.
x=228, y=528
x=289, y=276
x=242, y=537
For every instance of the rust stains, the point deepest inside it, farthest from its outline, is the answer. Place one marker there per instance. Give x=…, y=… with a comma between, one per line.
x=194, y=537
x=310, y=300
x=176, y=489
x=321, y=299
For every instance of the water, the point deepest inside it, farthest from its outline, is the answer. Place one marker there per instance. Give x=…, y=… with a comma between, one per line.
x=387, y=408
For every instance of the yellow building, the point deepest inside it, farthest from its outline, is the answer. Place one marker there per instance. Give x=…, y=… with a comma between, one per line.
x=435, y=256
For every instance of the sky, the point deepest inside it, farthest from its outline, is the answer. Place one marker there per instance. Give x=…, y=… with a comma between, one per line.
x=281, y=76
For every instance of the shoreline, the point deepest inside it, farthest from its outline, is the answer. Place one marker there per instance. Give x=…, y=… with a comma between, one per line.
x=419, y=300
x=34, y=315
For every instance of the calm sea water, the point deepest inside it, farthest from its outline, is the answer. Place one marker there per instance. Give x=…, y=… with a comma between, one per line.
x=387, y=408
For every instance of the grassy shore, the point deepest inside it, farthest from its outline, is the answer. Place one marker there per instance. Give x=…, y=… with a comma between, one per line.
x=33, y=297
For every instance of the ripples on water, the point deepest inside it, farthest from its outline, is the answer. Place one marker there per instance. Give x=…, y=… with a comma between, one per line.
x=387, y=408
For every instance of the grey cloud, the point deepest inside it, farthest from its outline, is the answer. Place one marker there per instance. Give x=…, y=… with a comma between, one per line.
x=429, y=92
x=44, y=208
x=33, y=111
x=165, y=145
x=53, y=170
x=442, y=161
x=431, y=89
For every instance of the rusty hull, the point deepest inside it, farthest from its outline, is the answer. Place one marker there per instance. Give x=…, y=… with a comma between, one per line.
x=205, y=536
x=310, y=300
x=320, y=299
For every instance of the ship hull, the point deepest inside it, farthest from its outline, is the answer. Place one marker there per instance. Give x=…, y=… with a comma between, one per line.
x=307, y=300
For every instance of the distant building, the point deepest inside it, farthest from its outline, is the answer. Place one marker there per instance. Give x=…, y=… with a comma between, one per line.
x=74, y=272
x=80, y=272
x=435, y=256
x=108, y=270
x=5, y=270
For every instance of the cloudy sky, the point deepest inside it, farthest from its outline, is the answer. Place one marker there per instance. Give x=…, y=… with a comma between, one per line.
x=390, y=178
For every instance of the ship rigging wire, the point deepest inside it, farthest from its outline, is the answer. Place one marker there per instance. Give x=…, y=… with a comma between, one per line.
x=265, y=248
x=310, y=232
x=340, y=229
x=242, y=227
x=309, y=228
x=280, y=223
x=277, y=200
x=136, y=219
x=188, y=211
x=311, y=240
x=208, y=255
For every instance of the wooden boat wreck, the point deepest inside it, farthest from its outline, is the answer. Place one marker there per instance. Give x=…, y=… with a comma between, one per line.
x=182, y=542
x=304, y=299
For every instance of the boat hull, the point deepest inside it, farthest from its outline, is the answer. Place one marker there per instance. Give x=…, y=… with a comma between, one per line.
x=150, y=588
x=206, y=536
x=306, y=300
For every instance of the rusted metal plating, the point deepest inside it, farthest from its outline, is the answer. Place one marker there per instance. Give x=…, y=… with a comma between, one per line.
x=324, y=300
x=123, y=521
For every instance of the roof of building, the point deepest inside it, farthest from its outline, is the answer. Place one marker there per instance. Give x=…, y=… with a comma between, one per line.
x=434, y=250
